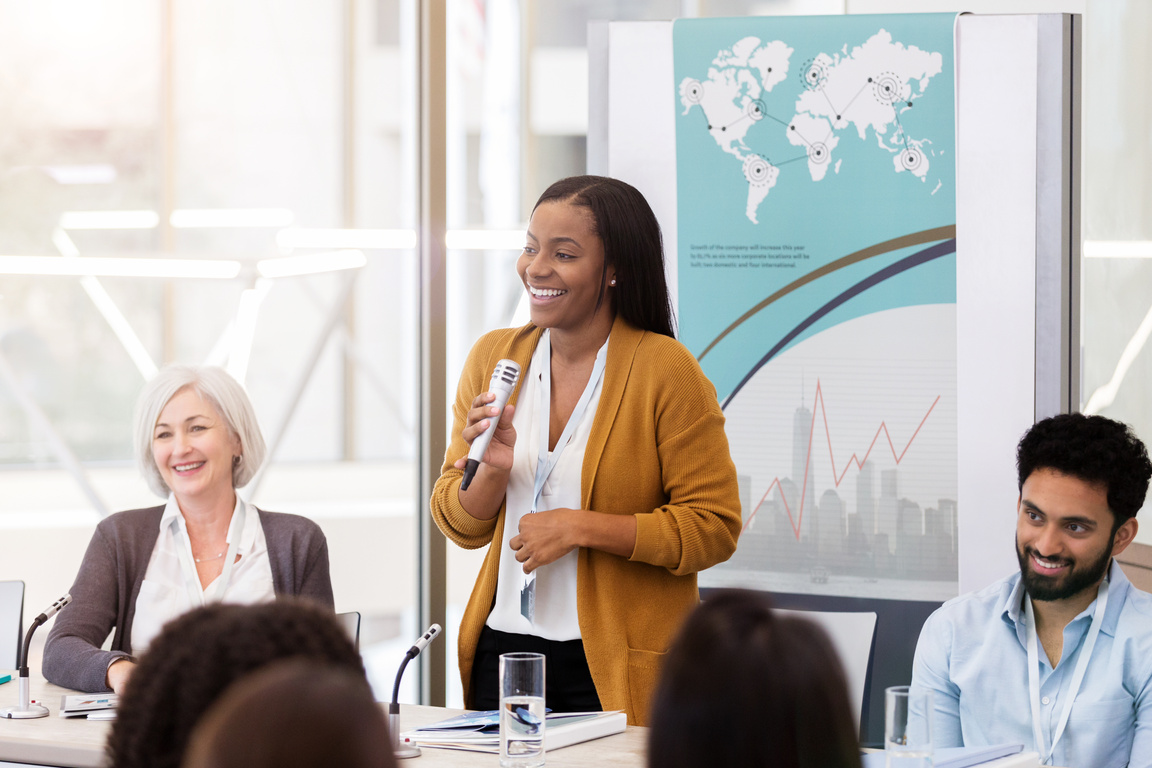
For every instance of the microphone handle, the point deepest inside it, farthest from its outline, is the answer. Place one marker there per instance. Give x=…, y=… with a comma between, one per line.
x=482, y=441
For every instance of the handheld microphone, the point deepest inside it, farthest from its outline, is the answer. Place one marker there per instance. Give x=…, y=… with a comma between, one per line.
x=504, y=378
x=394, y=707
x=27, y=709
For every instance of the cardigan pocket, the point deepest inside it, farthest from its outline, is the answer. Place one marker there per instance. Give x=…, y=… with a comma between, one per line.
x=643, y=673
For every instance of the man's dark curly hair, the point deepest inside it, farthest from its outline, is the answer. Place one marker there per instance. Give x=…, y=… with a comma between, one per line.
x=198, y=655
x=1094, y=449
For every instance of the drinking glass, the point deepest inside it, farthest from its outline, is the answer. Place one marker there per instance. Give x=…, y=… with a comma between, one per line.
x=521, y=710
x=907, y=727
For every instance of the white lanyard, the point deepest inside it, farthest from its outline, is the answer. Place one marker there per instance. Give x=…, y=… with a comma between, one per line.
x=188, y=566
x=546, y=460
x=1077, y=673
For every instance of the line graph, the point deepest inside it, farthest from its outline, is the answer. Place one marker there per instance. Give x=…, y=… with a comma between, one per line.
x=838, y=477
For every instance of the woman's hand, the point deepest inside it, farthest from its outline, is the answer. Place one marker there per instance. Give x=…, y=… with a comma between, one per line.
x=119, y=673
x=499, y=453
x=484, y=496
x=547, y=536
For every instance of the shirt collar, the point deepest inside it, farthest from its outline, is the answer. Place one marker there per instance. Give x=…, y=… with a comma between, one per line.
x=1118, y=584
x=171, y=515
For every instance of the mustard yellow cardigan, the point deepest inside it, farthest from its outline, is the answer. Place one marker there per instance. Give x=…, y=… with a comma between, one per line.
x=657, y=450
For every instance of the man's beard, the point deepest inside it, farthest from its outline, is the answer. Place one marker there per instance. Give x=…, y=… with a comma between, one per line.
x=1078, y=578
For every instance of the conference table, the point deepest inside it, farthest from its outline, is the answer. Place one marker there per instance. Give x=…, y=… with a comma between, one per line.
x=79, y=743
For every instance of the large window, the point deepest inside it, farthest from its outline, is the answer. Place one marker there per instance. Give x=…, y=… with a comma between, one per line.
x=1117, y=215
x=259, y=153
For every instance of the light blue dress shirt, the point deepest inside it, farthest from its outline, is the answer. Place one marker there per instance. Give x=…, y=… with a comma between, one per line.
x=973, y=656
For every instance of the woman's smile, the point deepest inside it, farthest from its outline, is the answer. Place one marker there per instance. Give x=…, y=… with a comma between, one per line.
x=563, y=269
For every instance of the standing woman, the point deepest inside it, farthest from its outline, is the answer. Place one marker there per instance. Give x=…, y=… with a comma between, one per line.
x=197, y=440
x=608, y=484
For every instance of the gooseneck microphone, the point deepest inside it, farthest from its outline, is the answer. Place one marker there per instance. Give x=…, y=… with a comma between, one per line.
x=394, y=706
x=504, y=378
x=27, y=709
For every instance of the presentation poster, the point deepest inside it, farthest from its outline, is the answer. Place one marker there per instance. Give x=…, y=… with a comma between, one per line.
x=817, y=286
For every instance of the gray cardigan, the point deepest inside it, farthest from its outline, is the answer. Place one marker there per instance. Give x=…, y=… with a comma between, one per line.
x=104, y=593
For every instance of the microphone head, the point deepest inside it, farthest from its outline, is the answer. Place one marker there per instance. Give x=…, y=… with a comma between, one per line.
x=427, y=637
x=505, y=375
x=55, y=607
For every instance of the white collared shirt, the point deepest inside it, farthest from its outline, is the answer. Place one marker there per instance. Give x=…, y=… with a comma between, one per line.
x=164, y=594
x=556, y=617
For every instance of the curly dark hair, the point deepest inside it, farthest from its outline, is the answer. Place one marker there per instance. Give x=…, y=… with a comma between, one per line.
x=1094, y=449
x=742, y=686
x=199, y=654
x=630, y=233
x=293, y=714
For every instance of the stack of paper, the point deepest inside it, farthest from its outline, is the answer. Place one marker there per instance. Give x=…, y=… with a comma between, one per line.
x=480, y=731
x=965, y=757
x=99, y=706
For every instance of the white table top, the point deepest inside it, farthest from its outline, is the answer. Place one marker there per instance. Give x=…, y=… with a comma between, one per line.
x=79, y=743
x=51, y=740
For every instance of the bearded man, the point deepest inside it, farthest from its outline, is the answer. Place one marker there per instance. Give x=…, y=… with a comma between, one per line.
x=1057, y=657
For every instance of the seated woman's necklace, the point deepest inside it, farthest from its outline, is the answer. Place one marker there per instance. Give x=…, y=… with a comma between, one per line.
x=207, y=559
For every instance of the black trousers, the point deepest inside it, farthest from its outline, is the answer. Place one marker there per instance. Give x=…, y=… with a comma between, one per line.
x=568, y=685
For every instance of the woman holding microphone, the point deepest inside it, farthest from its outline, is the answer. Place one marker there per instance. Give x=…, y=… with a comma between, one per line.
x=607, y=484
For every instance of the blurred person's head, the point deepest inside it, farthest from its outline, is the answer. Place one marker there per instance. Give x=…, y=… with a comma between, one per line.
x=293, y=714
x=195, y=428
x=198, y=655
x=744, y=686
x=633, y=248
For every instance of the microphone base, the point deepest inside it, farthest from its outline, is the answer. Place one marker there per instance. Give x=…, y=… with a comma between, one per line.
x=401, y=750
x=405, y=752
x=30, y=712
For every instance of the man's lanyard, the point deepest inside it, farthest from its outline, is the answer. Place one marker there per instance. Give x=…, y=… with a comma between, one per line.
x=192, y=579
x=546, y=460
x=1077, y=674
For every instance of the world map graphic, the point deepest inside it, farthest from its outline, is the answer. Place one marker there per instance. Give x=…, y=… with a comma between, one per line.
x=871, y=87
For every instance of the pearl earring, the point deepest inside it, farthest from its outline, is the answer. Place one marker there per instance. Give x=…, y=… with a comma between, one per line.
x=613, y=282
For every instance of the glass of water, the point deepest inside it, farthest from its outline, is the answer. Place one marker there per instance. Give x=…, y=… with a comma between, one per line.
x=908, y=727
x=521, y=710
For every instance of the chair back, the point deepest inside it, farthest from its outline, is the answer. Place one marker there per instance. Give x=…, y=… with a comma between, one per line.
x=351, y=623
x=851, y=634
x=11, y=622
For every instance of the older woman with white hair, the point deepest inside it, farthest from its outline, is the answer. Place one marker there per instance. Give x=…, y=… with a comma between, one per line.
x=197, y=441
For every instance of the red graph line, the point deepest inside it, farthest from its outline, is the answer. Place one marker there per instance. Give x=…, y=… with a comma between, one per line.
x=837, y=478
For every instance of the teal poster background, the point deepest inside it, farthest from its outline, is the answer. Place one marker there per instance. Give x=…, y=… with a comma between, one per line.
x=817, y=286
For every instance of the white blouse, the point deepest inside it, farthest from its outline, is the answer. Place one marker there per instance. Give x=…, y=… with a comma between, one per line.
x=556, y=617
x=167, y=591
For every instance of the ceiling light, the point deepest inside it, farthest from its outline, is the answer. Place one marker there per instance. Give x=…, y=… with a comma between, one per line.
x=484, y=239
x=98, y=266
x=109, y=220
x=206, y=218
x=311, y=263
x=1118, y=249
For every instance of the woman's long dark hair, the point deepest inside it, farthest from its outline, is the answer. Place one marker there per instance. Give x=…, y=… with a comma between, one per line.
x=742, y=686
x=632, y=244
